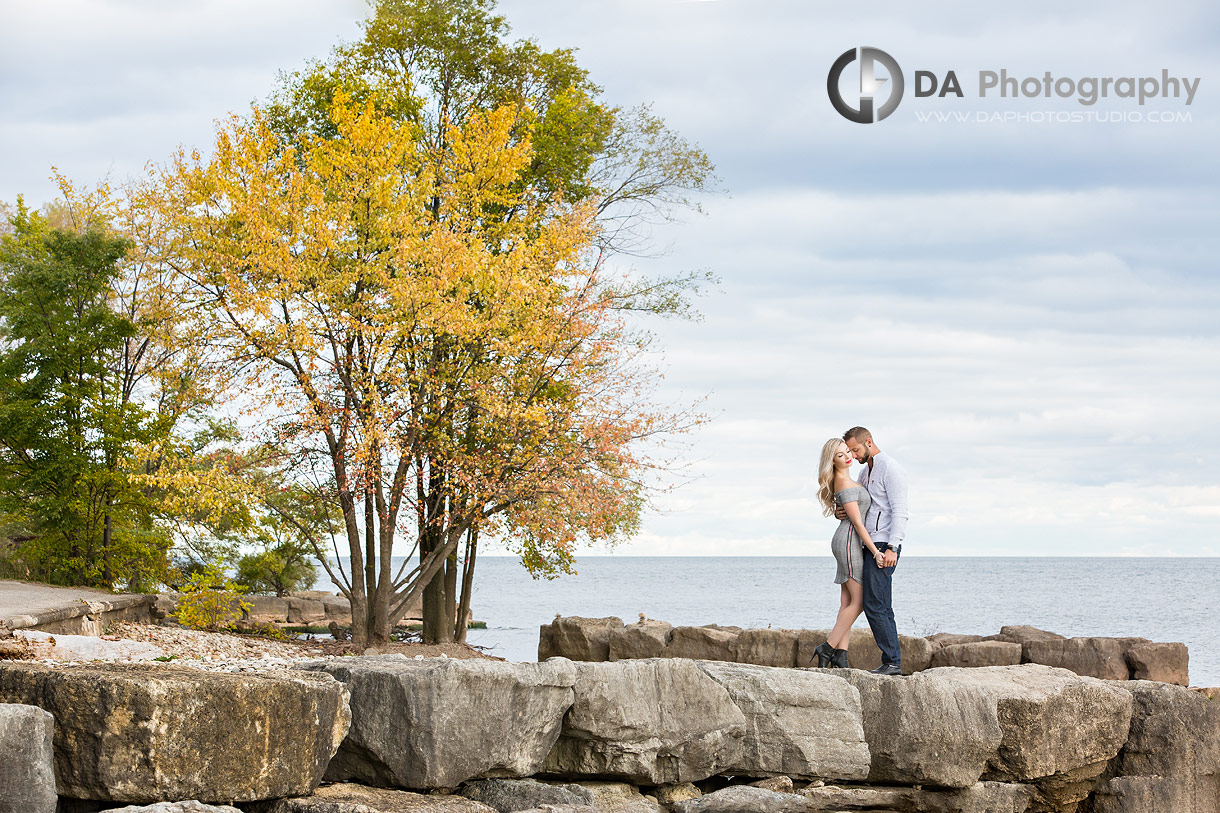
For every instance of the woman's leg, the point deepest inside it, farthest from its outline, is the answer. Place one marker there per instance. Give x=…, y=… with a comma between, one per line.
x=851, y=604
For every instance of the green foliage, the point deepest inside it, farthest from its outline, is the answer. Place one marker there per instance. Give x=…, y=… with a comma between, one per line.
x=261, y=629
x=211, y=601
x=68, y=428
x=438, y=67
x=279, y=569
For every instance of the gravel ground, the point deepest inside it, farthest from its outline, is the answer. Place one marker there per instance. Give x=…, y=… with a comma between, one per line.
x=227, y=652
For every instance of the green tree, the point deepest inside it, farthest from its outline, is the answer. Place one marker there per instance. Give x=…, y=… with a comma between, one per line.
x=69, y=433
x=404, y=259
x=435, y=66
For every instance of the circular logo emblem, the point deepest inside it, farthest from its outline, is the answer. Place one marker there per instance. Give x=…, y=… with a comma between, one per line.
x=870, y=84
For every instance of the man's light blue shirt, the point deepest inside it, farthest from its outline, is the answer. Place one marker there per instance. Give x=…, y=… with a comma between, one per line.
x=887, y=485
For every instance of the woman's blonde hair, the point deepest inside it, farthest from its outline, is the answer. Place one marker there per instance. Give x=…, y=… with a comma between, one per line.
x=826, y=475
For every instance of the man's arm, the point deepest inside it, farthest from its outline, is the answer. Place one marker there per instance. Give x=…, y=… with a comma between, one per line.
x=896, y=491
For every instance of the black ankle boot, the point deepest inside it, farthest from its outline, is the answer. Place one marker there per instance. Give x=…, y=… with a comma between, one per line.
x=838, y=659
x=824, y=651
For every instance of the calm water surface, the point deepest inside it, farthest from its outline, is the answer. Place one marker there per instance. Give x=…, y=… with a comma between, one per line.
x=1162, y=599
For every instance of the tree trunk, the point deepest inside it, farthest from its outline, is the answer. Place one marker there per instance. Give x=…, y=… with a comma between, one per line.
x=463, y=613
x=451, y=573
x=107, y=576
x=434, y=594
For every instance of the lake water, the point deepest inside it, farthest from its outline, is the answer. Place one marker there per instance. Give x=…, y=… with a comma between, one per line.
x=1164, y=599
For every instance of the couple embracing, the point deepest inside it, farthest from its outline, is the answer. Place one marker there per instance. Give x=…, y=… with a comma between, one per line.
x=872, y=510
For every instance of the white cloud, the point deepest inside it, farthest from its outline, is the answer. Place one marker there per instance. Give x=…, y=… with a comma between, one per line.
x=1025, y=314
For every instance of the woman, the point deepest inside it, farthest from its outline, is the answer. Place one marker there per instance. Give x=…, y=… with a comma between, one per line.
x=835, y=487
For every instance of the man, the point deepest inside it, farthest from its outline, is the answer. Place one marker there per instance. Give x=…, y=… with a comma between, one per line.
x=886, y=482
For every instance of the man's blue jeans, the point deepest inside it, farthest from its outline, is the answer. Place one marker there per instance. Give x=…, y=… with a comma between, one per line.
x=879, y=609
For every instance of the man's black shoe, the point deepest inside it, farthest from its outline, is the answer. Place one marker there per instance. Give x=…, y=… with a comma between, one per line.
x=887, y=669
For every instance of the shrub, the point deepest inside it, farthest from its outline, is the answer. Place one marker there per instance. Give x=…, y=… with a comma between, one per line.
x=280, y=569
x=211, y=601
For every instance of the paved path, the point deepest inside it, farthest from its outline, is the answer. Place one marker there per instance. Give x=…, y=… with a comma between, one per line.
x=24, y=598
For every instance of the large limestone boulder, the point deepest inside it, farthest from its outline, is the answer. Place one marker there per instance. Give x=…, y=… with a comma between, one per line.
x=652, y=722
x=1164, y=662
x=144, y=733
x=1059, y=729
x=577, y=639
x=767, y=647
x=710, y=643
x=512, y=795
x=982, y=797
x=862, y=652
x=647, y=639
x=305, y=611
x=438, y=722
x=349, y=798
x=926, y=728
x=266, y=609
x=1095, y=657
x=743, y=798
x=1171, y=760
x=27, y=773
x=798, y=723
x=978, y=653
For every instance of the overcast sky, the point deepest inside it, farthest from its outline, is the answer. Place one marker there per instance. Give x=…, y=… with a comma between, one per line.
x=1025, y=313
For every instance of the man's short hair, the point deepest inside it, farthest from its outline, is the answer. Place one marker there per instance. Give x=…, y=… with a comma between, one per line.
x=857, y=433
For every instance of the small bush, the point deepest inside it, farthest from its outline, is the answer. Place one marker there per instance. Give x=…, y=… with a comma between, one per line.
x=260, y=629
x=211, y=601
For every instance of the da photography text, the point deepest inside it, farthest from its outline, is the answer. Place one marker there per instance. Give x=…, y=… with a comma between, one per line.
x=882, y=85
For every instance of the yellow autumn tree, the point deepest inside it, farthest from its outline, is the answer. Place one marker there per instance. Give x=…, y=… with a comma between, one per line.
x=433, y=345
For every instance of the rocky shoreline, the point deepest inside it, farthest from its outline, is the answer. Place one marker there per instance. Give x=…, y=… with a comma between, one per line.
x=610, y=639
x=654, y=735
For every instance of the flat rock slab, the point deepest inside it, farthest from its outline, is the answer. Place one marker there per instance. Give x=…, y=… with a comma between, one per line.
x=983, y=797
x=349, y=798
x=146, y=733
x=190, y=806
x=27, y=772
x=743, y=798
x=978, y=653
x=439, y=722
x=941, y=639
x=651, y=722
x=798, y=723
x=511, y=795
x=24, y=604
x=61, y=647
x=619, y=797
x=1154, y=794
